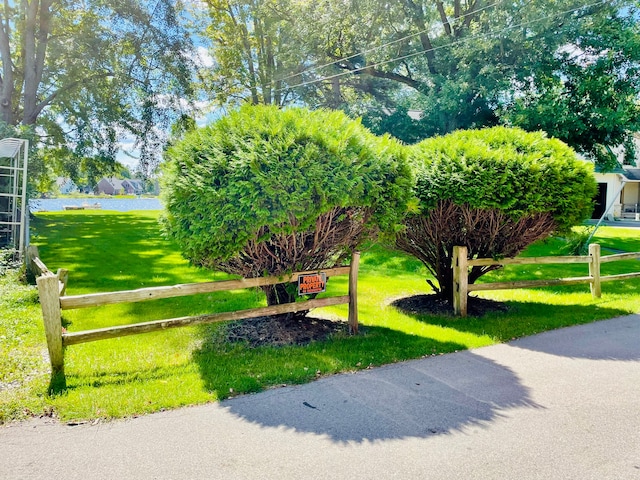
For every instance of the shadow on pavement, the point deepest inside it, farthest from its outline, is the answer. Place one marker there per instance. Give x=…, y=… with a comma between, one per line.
x=420, y=398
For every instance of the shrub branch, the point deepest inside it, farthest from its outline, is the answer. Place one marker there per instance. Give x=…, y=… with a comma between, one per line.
x=487, y=233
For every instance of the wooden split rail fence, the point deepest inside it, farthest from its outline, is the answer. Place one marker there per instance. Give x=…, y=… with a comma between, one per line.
x=461, y=265
x=51, y=288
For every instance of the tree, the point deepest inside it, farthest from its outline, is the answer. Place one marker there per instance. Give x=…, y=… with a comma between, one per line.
x=440, y=57
x=263, y=51
x=265, y=191
x=461, y=64
x=255, y=48
x=569, y=69
x=586, y=93
x=495, y=191
x=86, y=73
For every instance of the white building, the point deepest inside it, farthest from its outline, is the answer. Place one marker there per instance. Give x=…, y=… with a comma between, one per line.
x=618, y=194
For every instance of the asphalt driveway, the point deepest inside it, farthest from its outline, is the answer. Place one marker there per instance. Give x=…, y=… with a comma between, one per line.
x=560, y=405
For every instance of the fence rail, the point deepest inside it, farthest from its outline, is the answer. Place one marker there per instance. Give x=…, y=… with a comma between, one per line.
x=461, y=265
x=51, y=288
x=156, y=293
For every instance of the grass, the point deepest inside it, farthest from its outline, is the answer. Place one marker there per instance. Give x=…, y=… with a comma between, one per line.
x=106, y=251
x=24, y=367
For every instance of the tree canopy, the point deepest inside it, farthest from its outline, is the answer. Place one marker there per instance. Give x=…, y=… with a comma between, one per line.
x=566, y=67
x=84, y=74
x=586, y=92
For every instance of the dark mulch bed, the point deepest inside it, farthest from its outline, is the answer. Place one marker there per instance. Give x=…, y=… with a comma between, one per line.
x=435, y=305
x=300, y=330
x=282, y=330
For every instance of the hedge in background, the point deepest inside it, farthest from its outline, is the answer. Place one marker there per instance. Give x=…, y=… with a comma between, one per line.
x=265, y=191
x=495, y=191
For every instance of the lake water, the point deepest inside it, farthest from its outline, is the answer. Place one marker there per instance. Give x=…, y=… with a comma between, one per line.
x=118, y=204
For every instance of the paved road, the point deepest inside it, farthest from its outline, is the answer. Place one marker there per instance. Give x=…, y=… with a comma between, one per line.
x=561, y=405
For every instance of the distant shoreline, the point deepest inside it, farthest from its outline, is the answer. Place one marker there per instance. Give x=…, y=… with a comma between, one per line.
x=118, y=204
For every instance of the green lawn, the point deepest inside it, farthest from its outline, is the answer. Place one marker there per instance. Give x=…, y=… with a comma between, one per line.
x=106, y=251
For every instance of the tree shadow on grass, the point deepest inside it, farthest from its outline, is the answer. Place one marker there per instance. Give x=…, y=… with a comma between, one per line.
x=419, y=398
x=107, y=251
x=101, y=379
x=516, y=320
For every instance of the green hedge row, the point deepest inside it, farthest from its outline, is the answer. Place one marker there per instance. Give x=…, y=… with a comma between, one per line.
x=262, y=169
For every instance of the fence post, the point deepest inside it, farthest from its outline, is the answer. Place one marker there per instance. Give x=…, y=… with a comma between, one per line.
x=594, y=270
x=49, y=290
x=31, y=253
x=353, y=293
x=460, y=280
x=63, y=278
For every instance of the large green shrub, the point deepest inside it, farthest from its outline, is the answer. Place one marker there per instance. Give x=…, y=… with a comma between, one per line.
x=265, y=191
x=494, y=191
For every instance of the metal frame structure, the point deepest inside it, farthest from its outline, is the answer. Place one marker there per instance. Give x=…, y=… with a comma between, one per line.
x=13, y=193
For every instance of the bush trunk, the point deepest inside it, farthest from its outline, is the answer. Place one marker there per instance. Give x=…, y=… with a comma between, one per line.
x=487, y=233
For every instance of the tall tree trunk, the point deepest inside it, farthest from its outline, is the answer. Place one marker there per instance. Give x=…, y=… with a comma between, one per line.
x=6, y=82
x=6, y=112
x=418, y=19
x=36, y=35
x=253, y=77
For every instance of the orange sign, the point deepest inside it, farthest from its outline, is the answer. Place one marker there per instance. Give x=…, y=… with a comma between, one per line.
x=312, y=283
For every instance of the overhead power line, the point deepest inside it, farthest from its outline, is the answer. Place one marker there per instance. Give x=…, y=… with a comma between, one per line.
x=379, y=47
x=441, y=47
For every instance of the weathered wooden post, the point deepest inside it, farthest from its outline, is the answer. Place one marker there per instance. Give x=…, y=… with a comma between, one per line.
x=31, y=253
x=49, y=290
x=594, y=270
x=460, y=280
x=353, y=293
x=63, y=277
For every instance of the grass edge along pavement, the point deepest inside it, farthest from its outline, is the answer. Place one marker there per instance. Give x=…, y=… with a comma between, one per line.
x=134, y=375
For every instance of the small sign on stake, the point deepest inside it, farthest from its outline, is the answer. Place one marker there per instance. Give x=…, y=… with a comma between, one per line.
x=312, y=283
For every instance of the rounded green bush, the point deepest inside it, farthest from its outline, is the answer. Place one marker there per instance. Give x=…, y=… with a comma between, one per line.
x=261, y=171
x=508, y=169
x=494, y=191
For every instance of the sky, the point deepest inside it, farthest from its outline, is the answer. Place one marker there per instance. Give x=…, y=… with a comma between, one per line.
x=128, y=154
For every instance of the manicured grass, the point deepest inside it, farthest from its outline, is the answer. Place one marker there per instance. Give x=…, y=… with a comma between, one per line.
x=24, y=367
x=106, y=251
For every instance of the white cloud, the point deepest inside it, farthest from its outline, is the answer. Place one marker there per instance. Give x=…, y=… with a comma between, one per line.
x=201, y=57
x=204, y=58
x=579, y=56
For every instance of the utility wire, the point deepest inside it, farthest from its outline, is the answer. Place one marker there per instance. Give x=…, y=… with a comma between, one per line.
x=452, y=44
x=373, y=49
